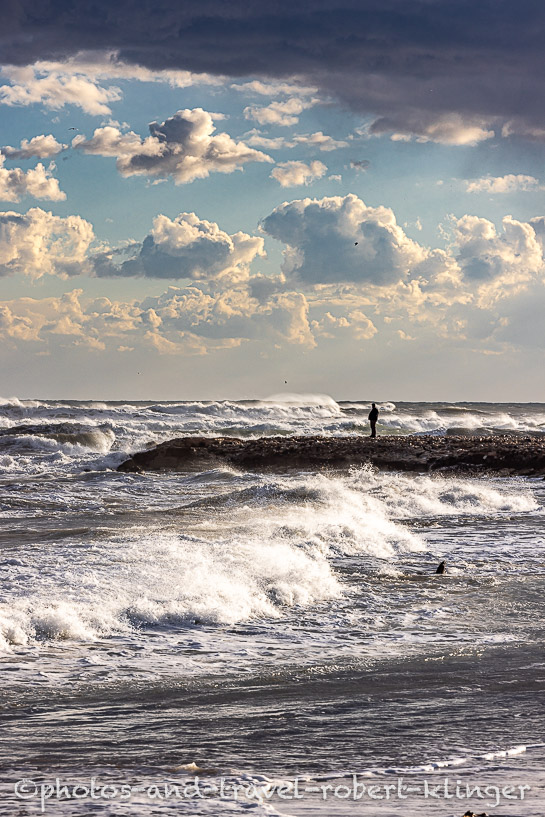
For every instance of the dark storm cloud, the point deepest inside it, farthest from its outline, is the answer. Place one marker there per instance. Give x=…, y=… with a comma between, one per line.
x=407, y=62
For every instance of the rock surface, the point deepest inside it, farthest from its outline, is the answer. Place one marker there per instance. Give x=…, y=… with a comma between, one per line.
x=502, y=454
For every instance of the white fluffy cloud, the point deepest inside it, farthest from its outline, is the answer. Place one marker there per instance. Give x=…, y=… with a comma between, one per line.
x=39, y=243
x=282, y=114
x=183, y=146
x=31, y=85
x=274, y=88
x=233, y=314
x=485, y=255
x=76, y=81
x=292, y=174
x=350, y=271
x=185, y=247
x=503, y=184
x=38, y=182
x=318, y=140
x=40, y=147
x=355, y=323
x=186, y=322
x=17, y=327
x=342, y=239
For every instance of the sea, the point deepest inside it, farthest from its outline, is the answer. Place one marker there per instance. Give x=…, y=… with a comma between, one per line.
x=228, y=642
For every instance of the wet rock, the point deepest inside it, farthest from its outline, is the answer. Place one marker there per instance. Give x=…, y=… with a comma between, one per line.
x=502, y=455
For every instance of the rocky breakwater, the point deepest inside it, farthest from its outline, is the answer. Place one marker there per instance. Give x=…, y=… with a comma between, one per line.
x=504, y=455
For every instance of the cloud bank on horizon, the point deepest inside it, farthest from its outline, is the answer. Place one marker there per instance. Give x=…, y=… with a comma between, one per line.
x=408, y=138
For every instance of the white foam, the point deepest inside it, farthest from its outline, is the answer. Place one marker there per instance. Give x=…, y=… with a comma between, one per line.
x=260, y=550
x=274, y=552
x=163, y=578
x=516, y=750
x=16, y=403
x=294, y=399
x=407, y=496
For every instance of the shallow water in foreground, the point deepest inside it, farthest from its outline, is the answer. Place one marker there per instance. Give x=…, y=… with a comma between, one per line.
x=266, y=631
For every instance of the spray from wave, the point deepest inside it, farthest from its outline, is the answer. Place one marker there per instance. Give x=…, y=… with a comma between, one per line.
x=249, y=553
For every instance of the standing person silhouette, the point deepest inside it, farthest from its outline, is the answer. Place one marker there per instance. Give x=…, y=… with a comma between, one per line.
x=373, y=417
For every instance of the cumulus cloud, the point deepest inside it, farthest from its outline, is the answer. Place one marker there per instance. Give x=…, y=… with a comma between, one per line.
x=16, y=327
x=513, y=255
x=184, y=146
x=232, y=315
x=40, y=147
x=38, y=182
x=503, y=184
x=355, y=323
x=50, y=322
x=283, y=114
x=31, y=85
x=349, y=271
x=292, y=174
x=342, y=239
x=76, y=81
x=186, y=322
x=256, y=137
x=446, y=129
x=39, y=243
x=318, y=140
x=274, y=88
x=185, y=247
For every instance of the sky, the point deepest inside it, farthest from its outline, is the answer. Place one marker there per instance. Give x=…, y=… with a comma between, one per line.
x=207, y=200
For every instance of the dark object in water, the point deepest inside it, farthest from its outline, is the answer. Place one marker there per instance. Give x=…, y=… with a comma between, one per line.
x=502, y=455
x=472, y=814
x=441, y=569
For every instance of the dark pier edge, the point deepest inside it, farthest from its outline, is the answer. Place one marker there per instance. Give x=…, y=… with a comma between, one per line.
x=504, y=455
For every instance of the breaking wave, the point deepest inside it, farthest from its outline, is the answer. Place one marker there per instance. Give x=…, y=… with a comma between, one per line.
x=256, y=552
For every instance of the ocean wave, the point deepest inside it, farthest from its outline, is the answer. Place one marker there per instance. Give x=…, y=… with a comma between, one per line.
x=263, y=550
x=301, y=400
x=466, y=757
x=410, y=496
x=14, y=402
x=62, y=437
x=365, y=493
x=138, y=425
x=165, y=579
